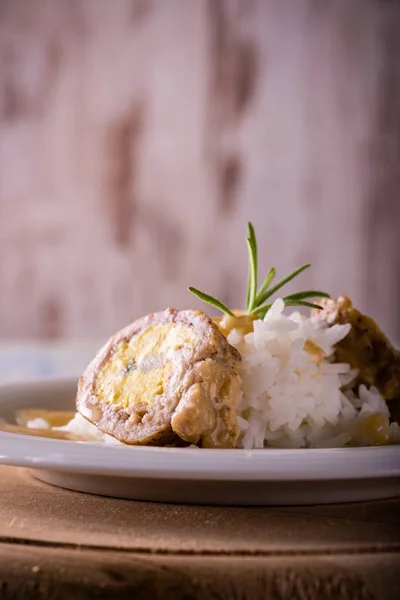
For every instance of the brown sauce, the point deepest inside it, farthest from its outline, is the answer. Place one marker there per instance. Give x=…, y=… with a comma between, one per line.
x=47, y=433
x=55, y=418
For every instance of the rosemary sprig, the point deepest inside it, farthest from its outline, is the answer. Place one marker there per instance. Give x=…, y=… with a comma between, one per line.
x=211, y=300
x=289, y=302
x=253, y=267
x=256, y=300
x=270, y=292
x=309, y=294
x=267, y=282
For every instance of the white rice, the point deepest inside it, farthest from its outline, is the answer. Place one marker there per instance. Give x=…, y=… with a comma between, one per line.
x=82, y=428
x=38, y=423
x=79, y=427
x=293, y=399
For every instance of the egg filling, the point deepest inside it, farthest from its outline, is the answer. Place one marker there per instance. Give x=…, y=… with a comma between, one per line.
x=139, y=368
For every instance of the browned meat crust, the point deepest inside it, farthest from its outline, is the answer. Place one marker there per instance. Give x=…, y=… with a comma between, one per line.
x=365, y=348
x=198, y=404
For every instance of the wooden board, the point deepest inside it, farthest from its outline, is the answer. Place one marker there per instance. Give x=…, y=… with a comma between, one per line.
x=54, y=542
x=34, y=510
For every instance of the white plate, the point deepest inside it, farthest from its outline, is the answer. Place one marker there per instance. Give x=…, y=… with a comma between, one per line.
x=188, y=475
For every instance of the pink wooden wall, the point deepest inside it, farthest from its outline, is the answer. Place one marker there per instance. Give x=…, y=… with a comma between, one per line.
x=137, y=137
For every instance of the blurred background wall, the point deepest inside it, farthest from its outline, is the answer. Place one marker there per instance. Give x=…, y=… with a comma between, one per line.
x=137, y=137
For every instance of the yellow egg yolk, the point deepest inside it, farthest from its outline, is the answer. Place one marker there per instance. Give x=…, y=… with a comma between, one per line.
x=139, y=368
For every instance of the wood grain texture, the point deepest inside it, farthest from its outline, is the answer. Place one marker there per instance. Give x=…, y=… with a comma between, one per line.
x=138, y=137
x=34, y=512
x=28, y=572
x=55, y=543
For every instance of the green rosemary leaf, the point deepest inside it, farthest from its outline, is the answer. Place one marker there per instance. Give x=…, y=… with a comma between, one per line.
x=281, y=283
x=253, y=266
x=211, y=300
x=289, y=302
x=267, y=281
x=249, y=277
x=308, y=294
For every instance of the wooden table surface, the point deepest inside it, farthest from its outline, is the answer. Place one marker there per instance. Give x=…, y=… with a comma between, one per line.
x=60, y=544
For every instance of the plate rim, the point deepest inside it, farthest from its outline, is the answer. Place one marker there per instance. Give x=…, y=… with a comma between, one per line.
x=233, y=465
x=327, y=464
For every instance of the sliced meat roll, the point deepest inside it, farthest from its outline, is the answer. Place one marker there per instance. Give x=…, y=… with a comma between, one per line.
x=167, y=377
